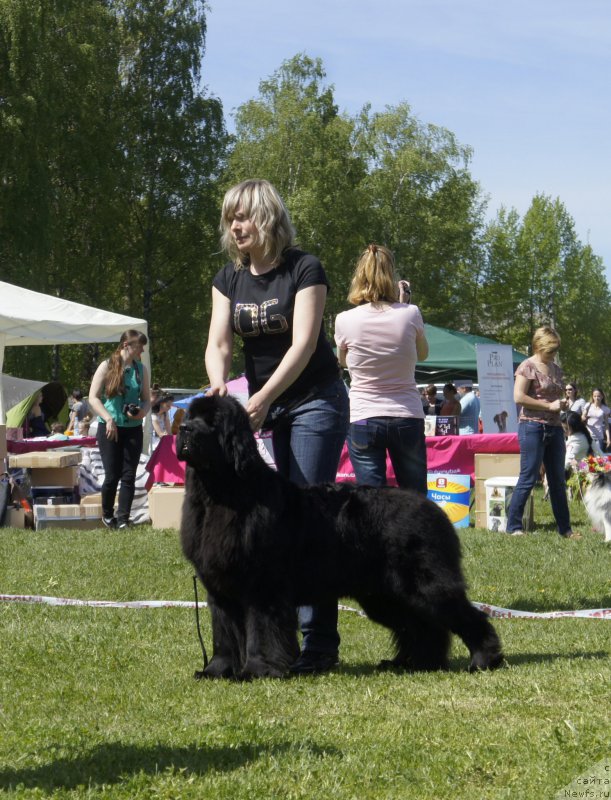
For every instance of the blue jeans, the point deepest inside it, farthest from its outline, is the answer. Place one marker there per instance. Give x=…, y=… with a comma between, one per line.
x=403, y=437
x=540, y=444
x=308, y=442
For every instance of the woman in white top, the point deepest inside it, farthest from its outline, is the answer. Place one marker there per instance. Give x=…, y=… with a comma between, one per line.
x=380, y=342
x=596, y=416
x=575, y=403
x=579, y=444
x=160, y=418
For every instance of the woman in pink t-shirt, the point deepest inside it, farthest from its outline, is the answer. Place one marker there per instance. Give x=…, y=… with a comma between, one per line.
x=380, y=342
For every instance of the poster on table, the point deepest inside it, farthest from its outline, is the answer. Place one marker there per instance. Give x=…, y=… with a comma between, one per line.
x=452, y=494
x=495, y=376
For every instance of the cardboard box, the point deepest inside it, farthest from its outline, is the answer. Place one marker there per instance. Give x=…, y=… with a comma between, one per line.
x=480, y=519
x=452, y=493
x=165, y=506
x=68, y=516
x=46, y=458
x=15, y=517
x=495, y=465
x=94, y=499
x=2, y=441
x=54, y=476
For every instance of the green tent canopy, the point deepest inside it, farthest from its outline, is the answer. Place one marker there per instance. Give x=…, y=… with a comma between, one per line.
x=54, y=406
x=452, y=355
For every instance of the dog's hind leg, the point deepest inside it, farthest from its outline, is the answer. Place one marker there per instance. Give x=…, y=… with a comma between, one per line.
x=228, y=640
x=476, y=631
x=422, y=644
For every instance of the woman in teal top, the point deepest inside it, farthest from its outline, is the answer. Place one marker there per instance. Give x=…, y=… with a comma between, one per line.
x=120, y=395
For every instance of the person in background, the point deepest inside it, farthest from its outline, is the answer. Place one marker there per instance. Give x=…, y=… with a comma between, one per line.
x=469, y=409
x=120, y=395
x=380, y=342
x=79, y=410
x=539, y=391
x=575, y=402
x=85, y=425
x=579, y=443
x=273, y=296
x=160, y=418
x=58, y=432
x=451, y=404
x=35, y=422
x=432, y=405
x=595, y=414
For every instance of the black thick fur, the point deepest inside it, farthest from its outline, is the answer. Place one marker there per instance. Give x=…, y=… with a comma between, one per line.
x=263, y=546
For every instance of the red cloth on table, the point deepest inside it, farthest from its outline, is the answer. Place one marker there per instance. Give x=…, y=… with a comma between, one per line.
x=451, y=454
x=39, y=445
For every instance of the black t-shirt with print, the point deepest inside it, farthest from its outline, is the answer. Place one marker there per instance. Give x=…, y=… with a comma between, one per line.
x=262, y=314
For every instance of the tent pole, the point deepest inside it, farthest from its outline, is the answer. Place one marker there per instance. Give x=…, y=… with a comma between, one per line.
x=2, y=411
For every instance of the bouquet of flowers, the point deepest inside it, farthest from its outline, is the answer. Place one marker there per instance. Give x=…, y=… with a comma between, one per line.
x=594, y=464
x=577, y=481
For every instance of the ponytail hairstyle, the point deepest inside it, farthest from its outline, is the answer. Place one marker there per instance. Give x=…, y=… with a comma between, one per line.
x=575, y=424
x=114, y=377
x=374, y=278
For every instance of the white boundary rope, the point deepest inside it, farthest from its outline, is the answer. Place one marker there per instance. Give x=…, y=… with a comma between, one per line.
x=491, y=611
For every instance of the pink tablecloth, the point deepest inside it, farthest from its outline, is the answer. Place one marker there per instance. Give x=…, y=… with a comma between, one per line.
x=452, y=454
x=37, y=445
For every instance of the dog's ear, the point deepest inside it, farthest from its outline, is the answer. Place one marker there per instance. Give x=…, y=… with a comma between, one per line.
x=239, y=443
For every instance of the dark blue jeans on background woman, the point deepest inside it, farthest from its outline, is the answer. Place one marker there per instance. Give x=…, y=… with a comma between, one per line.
x=540, y=444
x=402, y=437
x=308, y=442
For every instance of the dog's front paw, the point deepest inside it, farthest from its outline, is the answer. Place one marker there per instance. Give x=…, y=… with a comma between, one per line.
x=217, y=668
x=257, y=668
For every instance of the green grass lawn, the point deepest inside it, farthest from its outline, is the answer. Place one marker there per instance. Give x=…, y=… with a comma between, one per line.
x=101, y=703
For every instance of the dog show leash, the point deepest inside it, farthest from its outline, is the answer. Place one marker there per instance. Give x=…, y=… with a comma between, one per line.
x=199, y=630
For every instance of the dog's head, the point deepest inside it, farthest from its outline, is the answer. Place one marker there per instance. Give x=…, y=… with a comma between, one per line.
x=215, y=435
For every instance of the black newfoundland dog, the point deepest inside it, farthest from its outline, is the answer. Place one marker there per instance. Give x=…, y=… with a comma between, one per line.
x=263, y=546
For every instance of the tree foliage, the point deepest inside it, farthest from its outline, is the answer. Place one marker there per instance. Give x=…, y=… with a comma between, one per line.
x=111, y=155
x=113, y=163
x=538, y=272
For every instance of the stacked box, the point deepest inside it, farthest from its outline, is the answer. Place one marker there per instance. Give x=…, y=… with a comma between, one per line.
x=46, y=458
x=73, y=515
x=165, y=506
x=54, y=476
x=492, y=465
x=94, y=499
x=15, y=517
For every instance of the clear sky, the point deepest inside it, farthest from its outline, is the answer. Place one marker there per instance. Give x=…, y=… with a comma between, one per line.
x=525, y=83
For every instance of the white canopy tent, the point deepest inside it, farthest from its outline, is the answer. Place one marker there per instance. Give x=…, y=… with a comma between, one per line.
x=31, y=318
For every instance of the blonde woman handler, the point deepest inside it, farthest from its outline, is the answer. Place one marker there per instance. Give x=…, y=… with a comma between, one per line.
x=380, y=342
x=272, y=295
x=539, y=390
x=119, y=382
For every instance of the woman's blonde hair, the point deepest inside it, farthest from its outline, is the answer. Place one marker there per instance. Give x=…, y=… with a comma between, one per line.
x=260, y=202
x=374, y=277
x=545, y=340
x=114, y=377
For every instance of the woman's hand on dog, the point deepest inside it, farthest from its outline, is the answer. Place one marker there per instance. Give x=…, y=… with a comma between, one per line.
x=257, y=409
x=218, y=389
